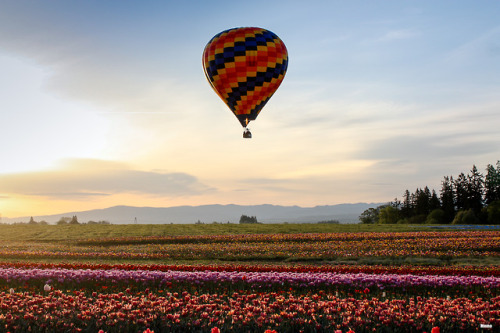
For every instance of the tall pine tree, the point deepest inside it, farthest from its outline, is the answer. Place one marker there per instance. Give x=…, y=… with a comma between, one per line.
x=448, y=199
x=460, y=187
x=423, y=198
x=406, y=207
x=434, y=202
x=492, y=183
x=475, y=189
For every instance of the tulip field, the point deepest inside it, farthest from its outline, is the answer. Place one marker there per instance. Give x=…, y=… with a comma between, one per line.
x=425, y=281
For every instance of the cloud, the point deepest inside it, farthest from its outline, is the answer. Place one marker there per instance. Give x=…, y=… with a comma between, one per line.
x=118, y=71
x=269, y=185
x=485, y=47
x=84, y=178
x=429, y=148
x=394, y=35
x=317, y=189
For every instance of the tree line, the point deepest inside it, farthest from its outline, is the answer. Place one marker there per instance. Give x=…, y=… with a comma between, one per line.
x=248, y=220
x=471, y=198
x=63, y=220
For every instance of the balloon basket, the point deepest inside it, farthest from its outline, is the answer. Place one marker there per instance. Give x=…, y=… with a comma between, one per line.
x=247, y=134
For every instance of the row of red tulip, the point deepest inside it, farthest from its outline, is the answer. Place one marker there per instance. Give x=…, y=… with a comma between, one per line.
x=283, y=312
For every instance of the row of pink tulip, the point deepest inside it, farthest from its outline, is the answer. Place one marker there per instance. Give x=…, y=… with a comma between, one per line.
x=284, y=267
x=214, y=281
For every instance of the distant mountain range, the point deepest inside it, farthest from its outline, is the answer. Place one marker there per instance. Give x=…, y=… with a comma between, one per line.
x=344, y=213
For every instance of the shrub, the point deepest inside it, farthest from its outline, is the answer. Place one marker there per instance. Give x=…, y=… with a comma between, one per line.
x=435, y=217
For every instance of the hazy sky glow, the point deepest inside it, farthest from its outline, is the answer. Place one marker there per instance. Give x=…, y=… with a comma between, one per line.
x=105, y=103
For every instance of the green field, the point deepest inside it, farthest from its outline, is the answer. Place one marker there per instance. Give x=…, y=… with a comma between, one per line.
x=37, y=232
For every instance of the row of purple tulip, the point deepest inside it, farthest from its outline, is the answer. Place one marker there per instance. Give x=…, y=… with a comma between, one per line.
x=253, y=279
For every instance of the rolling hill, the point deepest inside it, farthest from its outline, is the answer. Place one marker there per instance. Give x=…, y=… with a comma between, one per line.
x=344, y=213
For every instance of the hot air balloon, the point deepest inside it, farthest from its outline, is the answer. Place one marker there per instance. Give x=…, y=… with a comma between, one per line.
x=245, y=66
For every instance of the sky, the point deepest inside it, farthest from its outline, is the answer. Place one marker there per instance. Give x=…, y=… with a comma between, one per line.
x=105, y=103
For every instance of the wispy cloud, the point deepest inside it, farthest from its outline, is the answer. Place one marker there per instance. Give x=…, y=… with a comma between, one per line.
x=395, y=35
x=484, y=47
x=80, y=178
x=95, y=68
x=427, y=148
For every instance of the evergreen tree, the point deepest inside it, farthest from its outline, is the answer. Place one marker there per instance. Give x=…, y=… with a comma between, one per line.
x=460, y=187
x=413, y=202
x=396, y=204
x=475, y=189
x=406, y=207
x=434, y=202
x=492, y=183
x=423, y=198
x=447, y=199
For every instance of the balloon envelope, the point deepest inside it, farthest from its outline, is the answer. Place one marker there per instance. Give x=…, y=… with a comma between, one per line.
x=245, y=66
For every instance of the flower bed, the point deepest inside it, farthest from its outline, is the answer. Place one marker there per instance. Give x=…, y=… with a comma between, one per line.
x=255, y=312
x=297, y=268
x=269, y=247
x=114, y=300
x=285, y=297
x=213, y=281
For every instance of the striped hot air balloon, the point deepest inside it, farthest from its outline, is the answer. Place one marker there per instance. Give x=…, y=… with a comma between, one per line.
x=245, y=66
